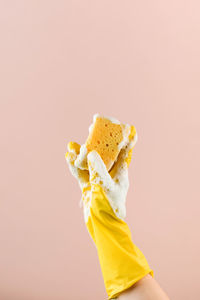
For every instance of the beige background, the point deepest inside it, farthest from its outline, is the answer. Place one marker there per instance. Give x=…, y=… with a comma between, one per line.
x=61, y=62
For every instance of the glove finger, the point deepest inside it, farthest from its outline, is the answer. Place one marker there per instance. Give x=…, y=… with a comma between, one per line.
x=81, y=175
x=129, y=148
x=74, y=147
x=81, y=161
x=70, y=158
x=98, y=171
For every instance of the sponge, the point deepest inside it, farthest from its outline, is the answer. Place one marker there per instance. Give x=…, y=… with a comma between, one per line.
x=107, y=136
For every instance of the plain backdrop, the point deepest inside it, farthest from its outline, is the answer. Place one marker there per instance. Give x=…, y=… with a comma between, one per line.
x=61, y=62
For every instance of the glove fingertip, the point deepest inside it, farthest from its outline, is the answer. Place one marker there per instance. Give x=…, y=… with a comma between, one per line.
x=73, y=147
x=69, y=146
x=66, y=155
x=135, y=138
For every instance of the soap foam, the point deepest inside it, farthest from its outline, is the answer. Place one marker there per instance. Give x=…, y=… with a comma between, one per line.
x=81, y=161
x=115, y=188
x=113, y=120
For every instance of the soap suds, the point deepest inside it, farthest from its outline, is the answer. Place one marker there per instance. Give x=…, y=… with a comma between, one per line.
x=79, y=174
x=115, y=188
x=113, y=120
x=126, y=132
x=81, y=161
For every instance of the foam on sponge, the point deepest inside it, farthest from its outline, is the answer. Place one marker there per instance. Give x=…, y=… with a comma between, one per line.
x=107, y=136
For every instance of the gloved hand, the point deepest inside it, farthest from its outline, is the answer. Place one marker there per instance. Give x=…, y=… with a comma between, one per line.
x=104, y=195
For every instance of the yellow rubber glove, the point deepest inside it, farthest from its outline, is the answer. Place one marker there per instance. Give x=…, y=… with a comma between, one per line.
x=104, y=195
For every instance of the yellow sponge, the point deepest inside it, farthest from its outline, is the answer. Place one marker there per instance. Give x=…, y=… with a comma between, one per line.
x=107, y=136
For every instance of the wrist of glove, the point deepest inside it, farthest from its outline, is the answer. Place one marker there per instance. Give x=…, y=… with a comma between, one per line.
x=103, y=197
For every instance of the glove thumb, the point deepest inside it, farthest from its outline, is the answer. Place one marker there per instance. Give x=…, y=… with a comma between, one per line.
x=98, y=171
